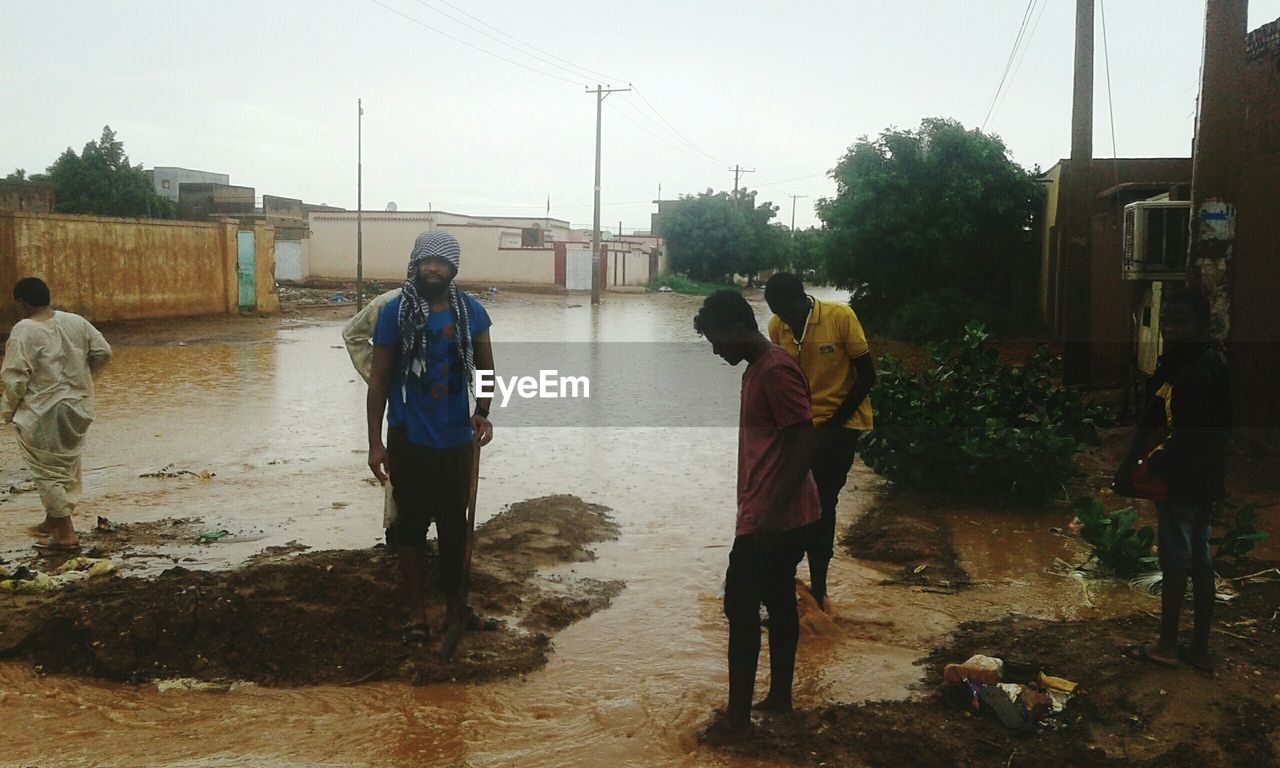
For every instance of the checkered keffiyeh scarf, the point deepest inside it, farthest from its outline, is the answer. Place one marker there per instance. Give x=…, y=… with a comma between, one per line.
x=414, y=308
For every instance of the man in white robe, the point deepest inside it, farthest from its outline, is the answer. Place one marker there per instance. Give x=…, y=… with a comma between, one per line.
x=49, y=364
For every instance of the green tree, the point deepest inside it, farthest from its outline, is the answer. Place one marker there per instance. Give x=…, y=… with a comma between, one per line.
x=715, y=235
x=920, y=211
x=809, y=254
x=101, y=181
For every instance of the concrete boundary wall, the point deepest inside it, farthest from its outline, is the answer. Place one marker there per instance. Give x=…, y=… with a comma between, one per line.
x=127, y=269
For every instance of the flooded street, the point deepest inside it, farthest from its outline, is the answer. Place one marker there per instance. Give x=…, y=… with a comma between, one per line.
x=275, y=414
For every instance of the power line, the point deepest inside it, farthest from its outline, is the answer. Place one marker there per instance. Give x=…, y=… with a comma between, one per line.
x=673, y=128
x=500, y=41
x=486, y=51
x=1111, y=109
x=593, y=73
x=1018, y=67
x=676, y=147
x=1026, y=17
x=788, y=181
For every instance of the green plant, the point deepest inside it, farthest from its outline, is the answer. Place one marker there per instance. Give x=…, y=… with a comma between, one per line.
x=373, y=288
x=976, y=426
x=1240, y=538
x=939, y=314
x=1117, y=545
x=686, y=285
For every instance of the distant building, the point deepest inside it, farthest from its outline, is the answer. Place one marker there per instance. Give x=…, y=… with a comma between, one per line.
x=167, y=179
x=203, y=201
x=30, y=196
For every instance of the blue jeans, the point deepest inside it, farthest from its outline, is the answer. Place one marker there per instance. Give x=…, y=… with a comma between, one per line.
x=1184, y=537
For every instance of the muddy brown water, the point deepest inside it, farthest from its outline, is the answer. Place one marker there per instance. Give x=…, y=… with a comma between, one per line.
x=275, y=413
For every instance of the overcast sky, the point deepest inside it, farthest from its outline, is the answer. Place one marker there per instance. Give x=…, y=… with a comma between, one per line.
x=266, y=91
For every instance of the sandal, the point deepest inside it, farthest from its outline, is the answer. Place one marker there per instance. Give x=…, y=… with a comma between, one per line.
x=54, y=548
x=415, y=635
x=1202, y=663
x=1139, y=652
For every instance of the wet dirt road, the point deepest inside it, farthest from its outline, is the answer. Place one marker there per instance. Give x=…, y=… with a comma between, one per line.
x=275, y=413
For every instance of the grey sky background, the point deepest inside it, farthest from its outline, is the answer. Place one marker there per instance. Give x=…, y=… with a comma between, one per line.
x=266, y=91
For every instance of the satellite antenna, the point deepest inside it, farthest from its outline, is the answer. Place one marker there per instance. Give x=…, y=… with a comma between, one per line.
x=392, y=207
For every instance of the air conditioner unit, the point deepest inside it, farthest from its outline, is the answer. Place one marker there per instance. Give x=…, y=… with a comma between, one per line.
x=1156, y=234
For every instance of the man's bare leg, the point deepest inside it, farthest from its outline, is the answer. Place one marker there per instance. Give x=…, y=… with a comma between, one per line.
x=412, y=569
x=62, y=532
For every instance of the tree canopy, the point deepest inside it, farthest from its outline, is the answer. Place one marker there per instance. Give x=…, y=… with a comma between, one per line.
x=715, y=235
x=926, y=211
x=101, y=181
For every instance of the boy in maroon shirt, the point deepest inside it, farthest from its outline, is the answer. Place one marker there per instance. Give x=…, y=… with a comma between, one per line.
x=776, y=499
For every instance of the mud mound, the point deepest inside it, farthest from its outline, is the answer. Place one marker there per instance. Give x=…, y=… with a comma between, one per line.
x=1129, y=714
x=545, y=531
x=318, y=617
x=904, y=534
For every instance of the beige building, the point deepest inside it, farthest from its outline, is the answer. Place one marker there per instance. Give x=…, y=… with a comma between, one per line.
x=496, y=250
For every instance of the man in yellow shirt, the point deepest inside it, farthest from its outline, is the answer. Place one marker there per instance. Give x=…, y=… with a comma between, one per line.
x=832, y=350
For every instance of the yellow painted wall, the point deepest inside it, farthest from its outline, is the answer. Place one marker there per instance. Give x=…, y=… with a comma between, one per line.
x=124, y=269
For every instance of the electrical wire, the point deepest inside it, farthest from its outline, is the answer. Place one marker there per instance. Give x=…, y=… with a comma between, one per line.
x=486, y=51
x=674, y=130
x=587, y=70
x=1111, y=109
x=1026, y=17
x=639, y=125
x=1017, y=67
x=499, y=40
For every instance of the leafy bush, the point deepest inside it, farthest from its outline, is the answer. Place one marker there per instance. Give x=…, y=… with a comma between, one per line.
x=1239, y=539
x=686, y=285
x=940, y=314
x=1117, y=545
x=373, y=288
x=972, y=425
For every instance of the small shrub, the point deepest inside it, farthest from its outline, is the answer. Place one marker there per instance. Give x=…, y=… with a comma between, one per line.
x=373, y=288
x=972, y=425
x=1240, y=538
x=686, y=285
x=1117, y=545
x=940, y=314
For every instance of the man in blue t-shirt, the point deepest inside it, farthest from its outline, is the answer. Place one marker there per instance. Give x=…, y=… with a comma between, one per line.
x=427, y=345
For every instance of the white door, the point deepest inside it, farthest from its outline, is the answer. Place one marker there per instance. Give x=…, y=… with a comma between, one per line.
x=577, y=269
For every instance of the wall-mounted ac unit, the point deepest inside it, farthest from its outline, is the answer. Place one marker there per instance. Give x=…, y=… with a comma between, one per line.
x=1156, y=234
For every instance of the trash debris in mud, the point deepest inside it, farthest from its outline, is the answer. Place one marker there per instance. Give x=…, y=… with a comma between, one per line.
x=331, y=617
x=25, y=487
x=170, y=472
x=1130, y=714
x=1018, y=694
x=24, y=580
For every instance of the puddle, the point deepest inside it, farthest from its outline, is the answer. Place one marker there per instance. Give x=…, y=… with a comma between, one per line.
x=276, y=417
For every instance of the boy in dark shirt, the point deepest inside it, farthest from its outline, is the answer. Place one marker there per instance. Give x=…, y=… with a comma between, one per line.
x=1178, y=459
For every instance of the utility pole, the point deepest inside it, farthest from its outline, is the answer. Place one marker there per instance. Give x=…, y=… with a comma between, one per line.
x=601, y=94
x=359, y=205
x=794, y=198
x=1077, y=325
x=1215, y=175
x=738, y=171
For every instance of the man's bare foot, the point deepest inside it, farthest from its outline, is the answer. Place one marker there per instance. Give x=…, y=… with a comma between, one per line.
x=727, y=730
x=776, y=705
x=1154, y=654
x=45, y=528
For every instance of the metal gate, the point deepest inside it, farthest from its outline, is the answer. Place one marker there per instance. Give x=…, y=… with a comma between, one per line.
x=577, y=269
x=244, y=270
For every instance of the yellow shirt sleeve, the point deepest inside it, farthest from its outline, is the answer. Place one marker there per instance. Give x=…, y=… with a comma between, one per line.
x=775, y=331
x=855, y=339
